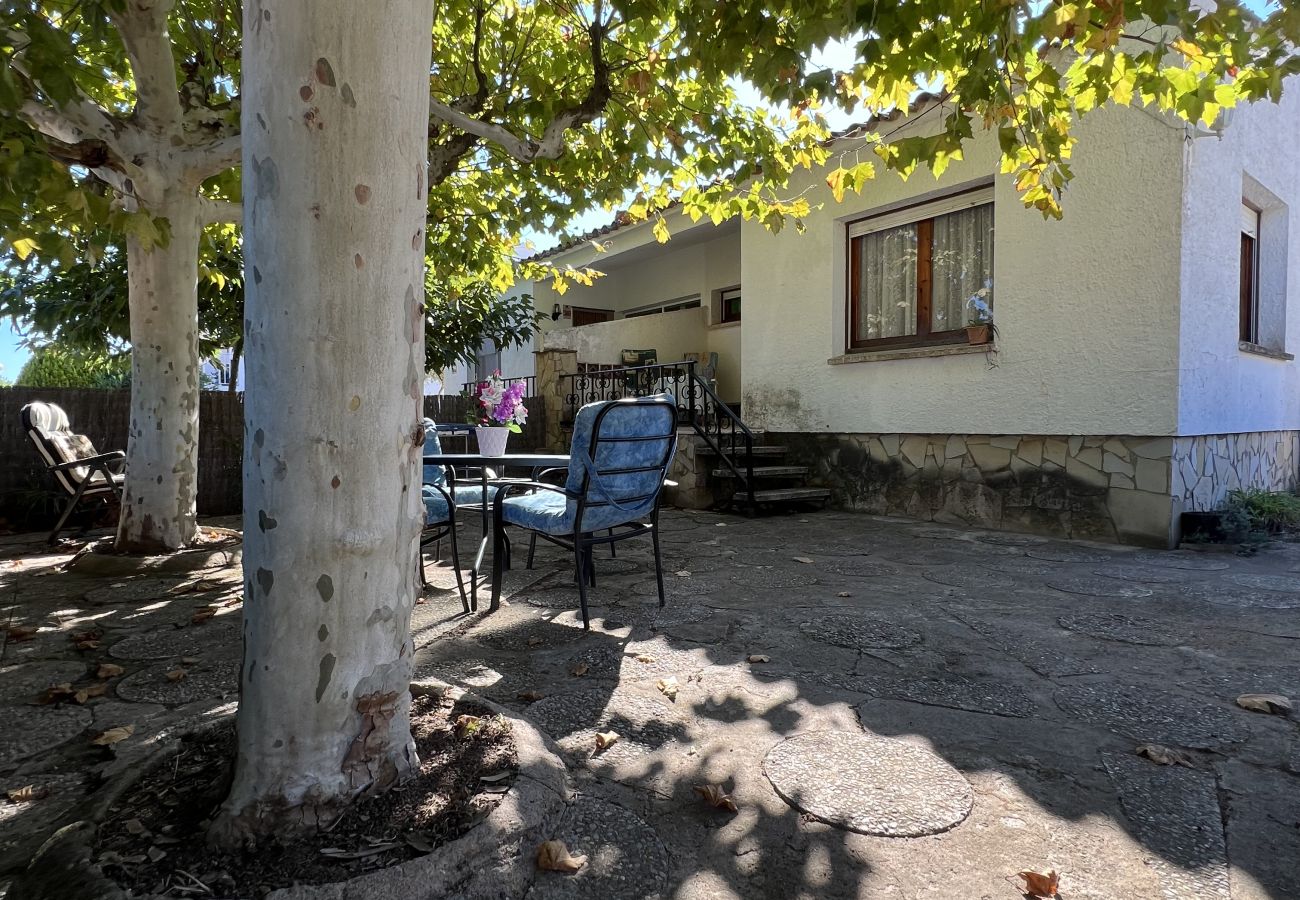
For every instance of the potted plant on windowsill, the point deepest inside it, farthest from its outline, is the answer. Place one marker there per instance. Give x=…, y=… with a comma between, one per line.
x=501, y=411
x=979, y=327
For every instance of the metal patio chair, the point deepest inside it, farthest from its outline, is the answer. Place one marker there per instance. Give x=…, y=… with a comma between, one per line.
x=80, y=470
x=619, y=460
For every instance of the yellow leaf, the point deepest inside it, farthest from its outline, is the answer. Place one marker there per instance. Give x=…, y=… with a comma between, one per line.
x=467, y=725
x=1037, y=885
x=553, y=856
x=606, y=739
x=715, y=797
x=645, y=658
x=27, y=794
x=113, y=736
x=24, y=247
x=668, y=687
x=108, y=670
x=660, y=230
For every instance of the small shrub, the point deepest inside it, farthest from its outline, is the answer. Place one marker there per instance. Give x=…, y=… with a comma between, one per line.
x=1269, y=511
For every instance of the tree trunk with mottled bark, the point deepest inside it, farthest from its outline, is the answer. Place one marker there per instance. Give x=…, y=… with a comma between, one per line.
x=335, y=121
x=158, y=506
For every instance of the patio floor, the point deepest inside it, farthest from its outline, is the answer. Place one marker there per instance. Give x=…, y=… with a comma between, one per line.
x=898, y=709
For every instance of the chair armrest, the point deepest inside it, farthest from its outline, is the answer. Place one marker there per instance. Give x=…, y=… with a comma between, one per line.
x=538, y=476
x=95, y=461
x=509, y=487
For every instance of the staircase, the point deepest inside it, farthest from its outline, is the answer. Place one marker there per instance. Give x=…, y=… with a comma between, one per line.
x=744, y=472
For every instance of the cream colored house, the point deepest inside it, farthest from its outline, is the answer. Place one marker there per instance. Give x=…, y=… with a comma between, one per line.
x=1141, y=364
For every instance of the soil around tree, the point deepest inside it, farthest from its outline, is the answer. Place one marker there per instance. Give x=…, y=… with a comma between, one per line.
x=153, y=840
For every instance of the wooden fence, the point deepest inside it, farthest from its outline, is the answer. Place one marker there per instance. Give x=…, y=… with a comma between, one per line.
x=27, y=491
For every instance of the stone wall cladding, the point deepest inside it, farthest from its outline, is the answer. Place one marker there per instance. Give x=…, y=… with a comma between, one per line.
x=1106, y=488
x=1206, y=467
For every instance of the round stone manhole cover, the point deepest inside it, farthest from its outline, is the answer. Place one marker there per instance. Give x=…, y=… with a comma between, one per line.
x=205, y=639
x=1178, y=559
x=1013, y=540
x=1123, y=629
x=198, y=682
x=774, y=577
x=975, y=579
x=1100, y=587
x=625, y=858
x=643, y=719
x=1286, y=584
x=41, y=728
x=527, y=636
x=868, y=784
x=1067, y=554
x=23, y=683
x=929, y=556
x=991, y=697
x=621, y=565
x=859, y=633
x=676, y=586
x=1230, y=595
x=859, y=569
x=1145, y=574
x=555, y=598
x=1020, y=565
x=1150, y=715
x=133, y=591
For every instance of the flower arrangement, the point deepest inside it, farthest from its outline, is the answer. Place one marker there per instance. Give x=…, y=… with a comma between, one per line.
x=500, y=404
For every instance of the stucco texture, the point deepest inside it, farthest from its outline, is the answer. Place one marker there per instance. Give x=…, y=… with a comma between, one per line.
x=1087, y=308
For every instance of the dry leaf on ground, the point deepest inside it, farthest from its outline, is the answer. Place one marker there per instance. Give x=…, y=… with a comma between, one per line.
x=843, y=594
x=56, y=693
x=1165, y=756
x=202, y=614
x=645, y=658
x=86, y=640
x=1274, y=704
x=683, y=574
x=467, y=725
x=113, y=736
x=530, y=696
x=28, y=793
x=176, y=675
x=109, y=670
x=715, y=797
x=553, y=856
x=606, y=739
x=22, y=632
x=758, y=658
x=90, y=690
x=801, y=559
x=668, y=687
x=579, y=670
x=1039, y=885
x=189, y=660
x=535, y=641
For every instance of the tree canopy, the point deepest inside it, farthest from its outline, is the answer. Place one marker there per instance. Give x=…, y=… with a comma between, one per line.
x=54, y=365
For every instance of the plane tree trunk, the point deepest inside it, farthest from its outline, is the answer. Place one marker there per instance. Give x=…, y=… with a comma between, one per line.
x=335, y=122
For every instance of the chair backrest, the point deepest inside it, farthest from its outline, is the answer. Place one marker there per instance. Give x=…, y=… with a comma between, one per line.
x=433, y=474
x=620, y=454
x=47, y=426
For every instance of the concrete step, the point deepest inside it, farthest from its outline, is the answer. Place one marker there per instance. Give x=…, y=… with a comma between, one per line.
x=765, y=452
x=765, y=472
x=782, y=495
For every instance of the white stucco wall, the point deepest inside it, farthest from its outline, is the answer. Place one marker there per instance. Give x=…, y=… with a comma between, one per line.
x=1087, y=308
x=1224, y=389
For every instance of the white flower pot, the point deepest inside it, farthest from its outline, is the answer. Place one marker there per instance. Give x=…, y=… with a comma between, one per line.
x=492, y=439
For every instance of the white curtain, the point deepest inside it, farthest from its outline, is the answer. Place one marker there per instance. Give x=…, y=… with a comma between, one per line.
x=961, y=267
x=887, y=286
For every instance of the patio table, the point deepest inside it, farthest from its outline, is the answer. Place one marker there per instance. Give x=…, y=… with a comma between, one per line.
x=531, y=461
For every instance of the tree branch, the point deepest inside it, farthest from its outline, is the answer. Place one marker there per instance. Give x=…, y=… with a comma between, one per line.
x=219, y=212
x=214, y=157
x=143, y=27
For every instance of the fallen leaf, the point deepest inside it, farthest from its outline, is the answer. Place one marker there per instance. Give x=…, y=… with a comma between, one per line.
x=1037, y=885
x=176, y=675
x=113, y=736
x=22, y=632
x=715, y=797
x=607, y=739
x=683, y=574
x=668, y=687
x=202, y=614
x=86, y=640
x=801, y=559
x=28, y=793
x=1274, y=704
x=56, y=693
x=580, y=669
x=90, y=690
x=189, y=660
x=530, y=696
x=553, y=856
x=758, y=658
x=109, y=670
x=1165, y=756
x=645, y=658
x=467, y=725
x=134, y=826
x=843, y=594
x=535, y=640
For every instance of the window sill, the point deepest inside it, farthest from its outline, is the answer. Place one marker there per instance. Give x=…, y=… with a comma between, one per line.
x=718, y=326
x=1257, y=350
x=862, y=356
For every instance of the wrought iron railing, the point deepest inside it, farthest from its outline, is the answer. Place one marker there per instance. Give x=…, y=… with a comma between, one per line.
x=530, y=384
x=697, y=406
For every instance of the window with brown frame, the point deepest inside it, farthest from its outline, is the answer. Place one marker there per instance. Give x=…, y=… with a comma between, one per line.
x=919, y=275
x=1249, y=287
x=729, y=305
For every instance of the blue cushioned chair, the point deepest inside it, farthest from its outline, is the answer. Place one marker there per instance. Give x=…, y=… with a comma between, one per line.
x=619, y=459
x=441, y=496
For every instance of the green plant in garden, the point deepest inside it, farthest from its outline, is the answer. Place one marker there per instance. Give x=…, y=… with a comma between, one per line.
x=55, y=366
x=1269, y=511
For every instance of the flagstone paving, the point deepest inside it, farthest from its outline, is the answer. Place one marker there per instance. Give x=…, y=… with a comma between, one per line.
x=897, y=709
